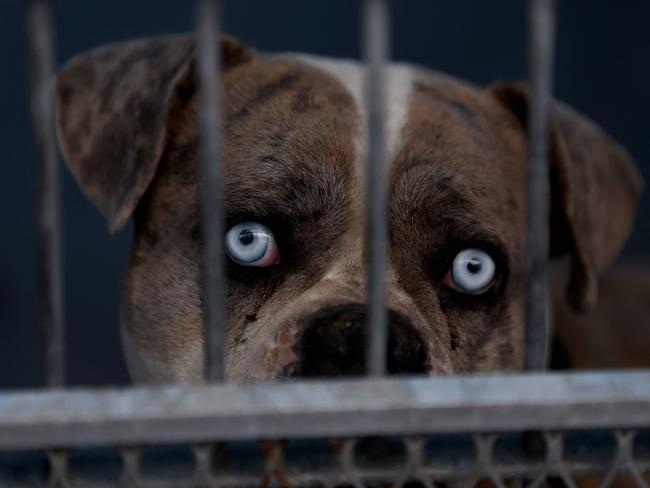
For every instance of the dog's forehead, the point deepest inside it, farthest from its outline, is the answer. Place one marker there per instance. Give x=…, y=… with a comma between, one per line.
x=308, y=113
x=290, y=135
x=295, y=131
x=458, y=146
x=399, y=82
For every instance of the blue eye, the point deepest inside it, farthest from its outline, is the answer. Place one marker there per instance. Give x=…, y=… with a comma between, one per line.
x=251, y=244
x=472, y=272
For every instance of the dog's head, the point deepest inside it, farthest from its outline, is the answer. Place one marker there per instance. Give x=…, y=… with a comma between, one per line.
x=293, y=150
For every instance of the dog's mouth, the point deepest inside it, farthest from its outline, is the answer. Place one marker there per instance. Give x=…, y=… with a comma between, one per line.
x=333, y=343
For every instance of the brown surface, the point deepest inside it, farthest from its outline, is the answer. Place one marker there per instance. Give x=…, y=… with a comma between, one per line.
x=616, y=333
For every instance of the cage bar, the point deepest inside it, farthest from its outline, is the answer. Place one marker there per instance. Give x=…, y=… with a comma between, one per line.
x=540, y=55
x=376, y=42
x=46, y=189
x=207, y=26
x=405, y=406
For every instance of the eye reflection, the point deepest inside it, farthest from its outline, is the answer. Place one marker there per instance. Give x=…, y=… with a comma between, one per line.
x=251, y=244
x=472, y=272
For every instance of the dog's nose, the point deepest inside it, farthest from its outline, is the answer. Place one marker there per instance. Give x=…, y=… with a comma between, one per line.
x=333, y=343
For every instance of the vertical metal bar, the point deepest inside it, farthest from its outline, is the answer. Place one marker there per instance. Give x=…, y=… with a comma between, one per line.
x=540, y=55
x=376, y=47
x=207, y=25
x=46, y=186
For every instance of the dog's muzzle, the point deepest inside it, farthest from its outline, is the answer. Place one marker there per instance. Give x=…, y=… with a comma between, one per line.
x=333, y=343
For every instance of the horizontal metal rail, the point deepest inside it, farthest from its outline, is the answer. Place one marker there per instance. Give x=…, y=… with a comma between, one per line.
x=480, y=403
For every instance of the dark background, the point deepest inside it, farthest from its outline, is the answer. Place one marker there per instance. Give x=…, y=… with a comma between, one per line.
x=603, y=69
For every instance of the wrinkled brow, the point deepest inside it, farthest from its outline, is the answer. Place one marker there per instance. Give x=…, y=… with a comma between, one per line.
x=276, y=186
x=424, y=197
x=429, y=190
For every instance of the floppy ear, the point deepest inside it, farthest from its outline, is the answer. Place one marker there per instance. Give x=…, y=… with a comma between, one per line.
x=595, y=189
x=114, y=105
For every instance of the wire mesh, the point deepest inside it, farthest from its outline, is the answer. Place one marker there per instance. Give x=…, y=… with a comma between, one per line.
x=499, y=460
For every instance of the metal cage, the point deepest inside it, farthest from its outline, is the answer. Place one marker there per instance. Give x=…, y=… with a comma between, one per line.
x=533, y=429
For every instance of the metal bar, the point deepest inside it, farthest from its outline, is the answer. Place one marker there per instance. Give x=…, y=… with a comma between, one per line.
x=207, y=24
x=541, y=41
x=376, y=48
x=46, y=189
x=481, y=403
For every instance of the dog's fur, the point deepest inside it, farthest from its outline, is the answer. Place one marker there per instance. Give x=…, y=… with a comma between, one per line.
x=615, y=334
x=294, y=160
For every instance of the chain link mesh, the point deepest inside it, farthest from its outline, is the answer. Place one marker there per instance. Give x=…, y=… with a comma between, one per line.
x=533, y=459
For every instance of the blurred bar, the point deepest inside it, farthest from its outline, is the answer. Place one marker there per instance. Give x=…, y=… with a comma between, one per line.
x=540, y=58
x=207, y=26
x=46, y=188
x=376, y=37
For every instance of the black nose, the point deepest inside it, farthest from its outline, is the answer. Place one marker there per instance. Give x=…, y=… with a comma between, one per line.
x=334, y=344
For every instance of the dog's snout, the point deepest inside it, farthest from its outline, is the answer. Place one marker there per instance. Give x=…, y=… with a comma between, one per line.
x=333, y=343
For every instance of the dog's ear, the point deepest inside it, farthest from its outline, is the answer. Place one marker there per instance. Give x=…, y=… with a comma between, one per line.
x=595, y=188
x=114, y=105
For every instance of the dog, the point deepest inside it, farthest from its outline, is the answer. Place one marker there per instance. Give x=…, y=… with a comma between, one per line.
x=294, y=155
x=615, y=334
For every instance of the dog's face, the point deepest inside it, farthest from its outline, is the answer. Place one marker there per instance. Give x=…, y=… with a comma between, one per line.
x=294, y=156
